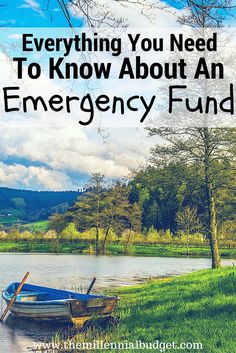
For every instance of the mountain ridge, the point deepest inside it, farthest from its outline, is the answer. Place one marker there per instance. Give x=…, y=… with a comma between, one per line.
x=18, y=205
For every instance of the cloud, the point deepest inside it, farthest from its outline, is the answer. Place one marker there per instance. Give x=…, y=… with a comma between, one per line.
x=37, y=178
x=53, y=151
x=141, y=13
x=15, y=36
x=65, y=159
x=69, y=152
x=31, y=4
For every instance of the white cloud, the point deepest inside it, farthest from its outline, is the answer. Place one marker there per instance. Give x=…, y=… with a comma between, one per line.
x=31, y=177
x=31, y=4
x=141, y=13
x=60, y=144
x=15, y=36
x=68, y=151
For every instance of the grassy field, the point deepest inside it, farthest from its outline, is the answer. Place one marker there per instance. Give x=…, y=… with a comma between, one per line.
x=35, y=227
x=86, y=247
x=8, y=220
x=197, y=308
x=13, y=218
x=167, y=250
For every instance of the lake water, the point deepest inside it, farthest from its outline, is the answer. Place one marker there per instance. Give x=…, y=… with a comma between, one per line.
x=75, y=272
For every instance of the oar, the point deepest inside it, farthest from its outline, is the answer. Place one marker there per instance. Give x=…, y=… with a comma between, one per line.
x=14, y=296
x=91, y=285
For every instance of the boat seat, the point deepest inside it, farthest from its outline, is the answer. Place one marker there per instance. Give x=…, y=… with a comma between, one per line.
x=32, y=296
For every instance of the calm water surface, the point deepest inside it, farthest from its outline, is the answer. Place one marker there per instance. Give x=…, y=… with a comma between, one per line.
x=75, y=272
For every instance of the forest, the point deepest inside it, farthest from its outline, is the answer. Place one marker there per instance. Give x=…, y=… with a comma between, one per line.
x=160, y=205
x=28, y=206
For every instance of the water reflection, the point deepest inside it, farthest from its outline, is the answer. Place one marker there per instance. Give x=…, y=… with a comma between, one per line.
x=18, y=335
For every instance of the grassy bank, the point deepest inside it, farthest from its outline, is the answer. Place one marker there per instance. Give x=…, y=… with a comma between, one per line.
x=198, y=307
x=86, y=247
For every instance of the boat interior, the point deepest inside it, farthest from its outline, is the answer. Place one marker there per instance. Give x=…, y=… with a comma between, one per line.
x=31, y=293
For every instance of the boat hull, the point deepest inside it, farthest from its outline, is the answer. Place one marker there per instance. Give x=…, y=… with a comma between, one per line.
x=42, y=312
x=33, y=303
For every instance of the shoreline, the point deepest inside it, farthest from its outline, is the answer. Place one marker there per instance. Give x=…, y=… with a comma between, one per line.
x=113, y=255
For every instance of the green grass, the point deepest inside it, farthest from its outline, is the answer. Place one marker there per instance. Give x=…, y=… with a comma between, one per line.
x=198, y=307
x=15, y=215
x=167, y=251
x=84, y=247
x=36, y=227
x=8, y=220
x=25, y=247
x=41, y=247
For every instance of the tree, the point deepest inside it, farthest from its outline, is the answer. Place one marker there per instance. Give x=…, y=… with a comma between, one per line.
x=87, y=211
x=57, y=222
x=133, y=223
x=105, y=208
x=211, y=150
x=188, y=222
x=208, y=148
x=162, y=191
x=115, y=211
x=98, y=14
x=19, y=202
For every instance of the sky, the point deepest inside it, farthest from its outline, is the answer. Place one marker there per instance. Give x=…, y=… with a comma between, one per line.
x=33, y=13
x=63, y=157
x=47, y=13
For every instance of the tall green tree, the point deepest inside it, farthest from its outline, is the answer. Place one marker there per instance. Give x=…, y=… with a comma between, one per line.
x=211, y=150
x=87, y=211
x=133, y=223
x=57, y=222
x=105, y=208
x=115, y=211
x=188, y=222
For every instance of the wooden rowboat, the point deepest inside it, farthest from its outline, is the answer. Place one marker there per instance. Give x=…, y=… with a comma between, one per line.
x=43, y=303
